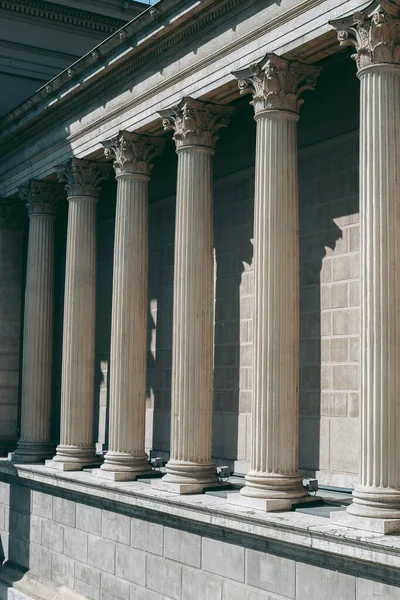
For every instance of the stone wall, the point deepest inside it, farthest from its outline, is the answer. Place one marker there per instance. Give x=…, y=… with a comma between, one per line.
x=11, y=249
x=106, y=550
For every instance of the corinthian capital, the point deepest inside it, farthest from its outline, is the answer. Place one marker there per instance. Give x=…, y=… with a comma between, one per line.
x=195, y=123
x=12, y=214
x=41, y=197
x=277, y=83
x=374, y=32
x=132, y=152
x=83, y=177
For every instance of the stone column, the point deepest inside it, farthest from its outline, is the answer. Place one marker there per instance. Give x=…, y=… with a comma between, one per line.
x=35, y=443
x=190, y=467
x=12, y=220
x=375, y=34
x=76, y=448
x=126, y=457
x=274, y=482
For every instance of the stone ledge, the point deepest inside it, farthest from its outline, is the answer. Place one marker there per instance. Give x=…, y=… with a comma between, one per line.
x=298, y=534
x=17, y=584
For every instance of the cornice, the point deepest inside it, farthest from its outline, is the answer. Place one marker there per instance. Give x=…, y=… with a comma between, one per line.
x=64, y=15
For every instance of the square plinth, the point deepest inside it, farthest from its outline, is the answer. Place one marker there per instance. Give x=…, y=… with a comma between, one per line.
x=71, y=466
x=268, y=504
x=184, y=488
x=383, y=526
x=26, y=458
x=121, y=475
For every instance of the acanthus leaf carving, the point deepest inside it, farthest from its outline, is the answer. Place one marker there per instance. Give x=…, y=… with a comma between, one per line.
x=195, y=122
x=277, y=83
x=374, y=32
x=83, y=177
x=133, y=152
x=41, y=197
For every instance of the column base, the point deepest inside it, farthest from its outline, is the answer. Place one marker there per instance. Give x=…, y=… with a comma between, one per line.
x=74, y=458
x=267, y=504
x=34, y=452
x=383, y=526
x=122, y=475
x=185, y=477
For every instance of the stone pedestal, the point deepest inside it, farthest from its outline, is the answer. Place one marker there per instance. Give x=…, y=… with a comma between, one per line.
x=12, y=218
x=76, y=448
x=35, y=443
x=376, y=37
x=190, y=467
x=126, y=458
x=273, y=482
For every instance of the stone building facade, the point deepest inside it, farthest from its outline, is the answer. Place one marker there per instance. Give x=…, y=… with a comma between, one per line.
x=207, y=273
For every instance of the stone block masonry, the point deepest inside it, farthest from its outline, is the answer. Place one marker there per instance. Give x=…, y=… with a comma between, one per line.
x=147, y=548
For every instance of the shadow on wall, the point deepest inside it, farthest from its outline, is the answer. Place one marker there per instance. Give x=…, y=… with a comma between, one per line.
x=329, y=302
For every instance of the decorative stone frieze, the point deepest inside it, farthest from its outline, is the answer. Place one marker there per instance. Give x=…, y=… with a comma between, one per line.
x=126, y=457
x=133, y=153
x=195, y=123
x=274, y=482
x=12, y=214
x=277, y=83
x=83, y=177
x=41, y=200
x=190, y=467
x=374, y=32
x=76, y=448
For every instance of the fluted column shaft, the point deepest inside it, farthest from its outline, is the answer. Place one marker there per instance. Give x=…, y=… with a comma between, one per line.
x=379, y=491
x=274, y=482
x=274, y=462
x=126, y=439
x=36, y=391
x=190, y=467
x=126, y=457
x=376, y=39
x=76, y=447
x=192, y=368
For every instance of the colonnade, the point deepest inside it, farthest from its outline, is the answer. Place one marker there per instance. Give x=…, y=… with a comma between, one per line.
x=273, y=482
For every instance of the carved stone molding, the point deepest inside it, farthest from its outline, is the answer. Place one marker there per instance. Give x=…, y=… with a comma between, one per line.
x=374, y=32
x=41, y=197
x=195, y=123
x=83, y=177
x=12, y=214
x=132, y=152
x=277, y=83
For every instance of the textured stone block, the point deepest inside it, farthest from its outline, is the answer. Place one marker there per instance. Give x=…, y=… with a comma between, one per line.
x=339, y=349
x=112, y=588
x=42, y=504
x=314, y=583
x=147, y=536
x=116, y=527
x=130, y=564
x=164, y=576
x=76, y=544
x=64, y=511
x=40, y=560
x=53, y=536
x=345, y=321
x=344, y=445
x=226, y=560
x=88, y=518
x=271, y=573
x=345, y=377
x=340, y=295
x=182, y=547
x=236, y=591
x=62, y=569
x=374, y=590
x=19, y=525
x=140, y=593
x=101, y=554
x=198, y=584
